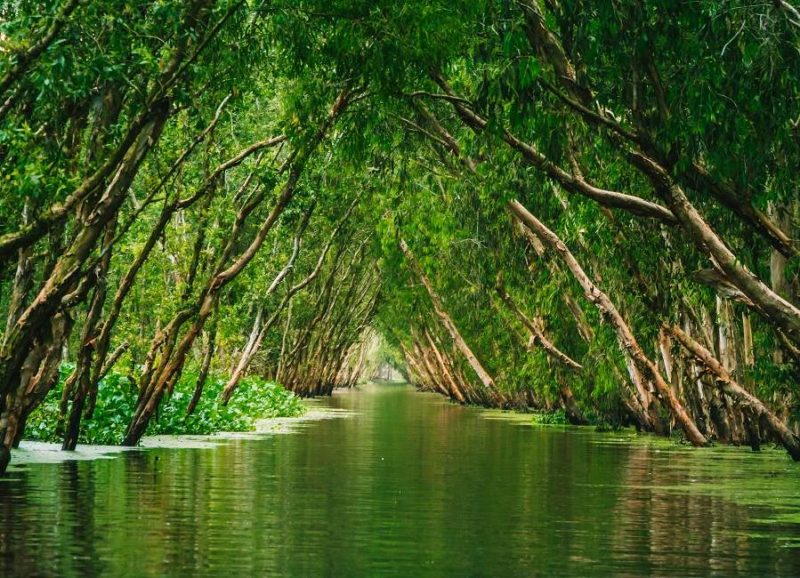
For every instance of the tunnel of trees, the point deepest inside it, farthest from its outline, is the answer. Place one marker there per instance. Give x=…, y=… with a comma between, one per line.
x=545, y=204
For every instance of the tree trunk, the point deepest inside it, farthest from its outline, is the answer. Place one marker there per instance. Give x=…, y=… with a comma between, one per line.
x=451, y=328
x=726, y=382
x=205, y=367
x=625, y=336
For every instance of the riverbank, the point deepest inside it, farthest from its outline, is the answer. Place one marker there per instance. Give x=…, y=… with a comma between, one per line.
x=255, y=400
x=43, y=452
x=627, y=435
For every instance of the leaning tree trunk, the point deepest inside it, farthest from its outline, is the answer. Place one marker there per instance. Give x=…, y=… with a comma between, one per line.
x=170, y=368
x=454, y=389
x=81, y=377
x=451, y=328
x=537, y=335
x=205, y=366
x=608, y=309
x=727, y=384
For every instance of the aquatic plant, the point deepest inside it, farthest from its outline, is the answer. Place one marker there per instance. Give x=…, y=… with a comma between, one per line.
x=256, y=399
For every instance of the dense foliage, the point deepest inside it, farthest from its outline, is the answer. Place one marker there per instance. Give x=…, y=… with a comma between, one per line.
x=567, y=205
x=257, y=399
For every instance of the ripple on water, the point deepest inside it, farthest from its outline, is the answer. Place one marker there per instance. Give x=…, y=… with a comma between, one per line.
x=406, y=485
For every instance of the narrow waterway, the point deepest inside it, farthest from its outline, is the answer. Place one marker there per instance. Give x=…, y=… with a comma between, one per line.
x=406, y=484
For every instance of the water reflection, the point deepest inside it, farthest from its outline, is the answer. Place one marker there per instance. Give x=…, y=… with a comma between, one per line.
x=409, y=486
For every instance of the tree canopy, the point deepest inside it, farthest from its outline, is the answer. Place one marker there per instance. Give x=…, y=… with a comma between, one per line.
x=549, y=204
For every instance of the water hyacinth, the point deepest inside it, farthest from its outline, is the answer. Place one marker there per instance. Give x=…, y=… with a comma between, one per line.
x=255, y=399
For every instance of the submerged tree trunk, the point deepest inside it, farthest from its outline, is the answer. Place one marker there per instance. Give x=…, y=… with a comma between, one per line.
x=247, y=355
x=726, y=382
x=205, y=366
x=81, y=377
x=455, y=390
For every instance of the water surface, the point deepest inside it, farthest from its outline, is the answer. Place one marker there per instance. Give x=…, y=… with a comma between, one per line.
x=408, y=485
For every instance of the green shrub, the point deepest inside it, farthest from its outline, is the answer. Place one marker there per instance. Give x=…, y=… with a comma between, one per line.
x=254, y=399
x=550, y=417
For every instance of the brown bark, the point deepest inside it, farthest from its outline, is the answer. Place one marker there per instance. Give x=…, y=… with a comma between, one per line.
x=574, y=183
x=775, y=308
x=580, y=99
x=233, y=382
x=416, y=373
x=436, y=378
x=205, y=366
x=294, y=360
x=572, y=410
x=640, y=403
x=537, y=335
x=781, y=312
x=644, y=409
x=257, y=333
x=82, y=377
x=455, y=390
x=699, y=178
x=140, y=132
x=549, y=49
x=170, y=207
x=68, y=269
x=343, y=312
x=38, y=376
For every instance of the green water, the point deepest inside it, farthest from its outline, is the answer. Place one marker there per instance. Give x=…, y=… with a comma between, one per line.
x=408, y=485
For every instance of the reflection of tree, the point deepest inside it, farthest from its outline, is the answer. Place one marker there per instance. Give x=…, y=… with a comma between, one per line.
x=77, y=517
x=411, y=481
x=665, y=526
x=14, y=497
x=50, y=510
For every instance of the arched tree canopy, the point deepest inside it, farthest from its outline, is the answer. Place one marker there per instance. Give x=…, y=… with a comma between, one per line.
x=552, y=204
